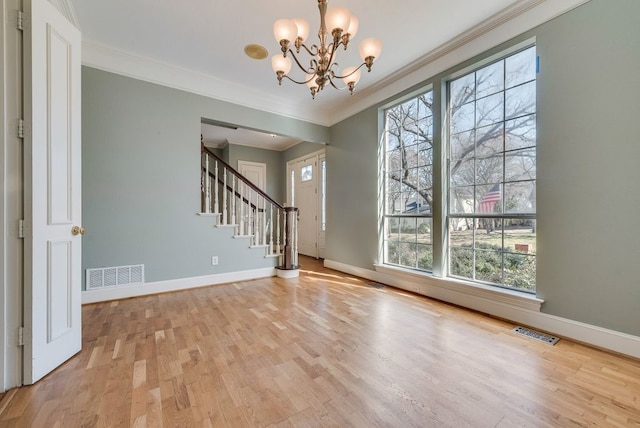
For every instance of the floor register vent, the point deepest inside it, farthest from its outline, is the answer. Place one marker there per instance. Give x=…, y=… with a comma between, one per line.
x=542, y=337
x=99, y=278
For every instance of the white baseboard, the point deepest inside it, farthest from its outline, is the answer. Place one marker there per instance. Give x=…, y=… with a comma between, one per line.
x=115, y=293
x=453, y=292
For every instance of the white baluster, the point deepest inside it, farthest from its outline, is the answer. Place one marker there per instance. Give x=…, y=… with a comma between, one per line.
x=215, y=189
x=207, y=185
x=254, y=215
x=240, y=184
x=295, y=239
x=224, y=197
x=256, y=222
x=233, y=198
x=202, y=190
x=278, y=232
x=264, y=221
x=250, y=214
x=270, y=229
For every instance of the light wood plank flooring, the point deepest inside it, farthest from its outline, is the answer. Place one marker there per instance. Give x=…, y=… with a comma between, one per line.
x=322, y=350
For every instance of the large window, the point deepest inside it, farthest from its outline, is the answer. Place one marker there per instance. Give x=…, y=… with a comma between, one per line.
x=485, y=227
x=492, y=173
x=408, y=180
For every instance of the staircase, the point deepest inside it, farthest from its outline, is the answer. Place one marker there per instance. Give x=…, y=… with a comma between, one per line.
x=237, y=203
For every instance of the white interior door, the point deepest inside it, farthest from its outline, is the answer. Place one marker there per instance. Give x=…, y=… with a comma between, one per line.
x=255, y=172
x=52, y=272
x=305, y=197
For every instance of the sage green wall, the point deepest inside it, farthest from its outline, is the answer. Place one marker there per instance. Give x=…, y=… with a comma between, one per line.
x=141, y=178
x=218, y=152
x=299, y=150
x=352, y=198
x=276, y=163
x=588, y=165
x=275, y=168
x=225, y=153
x=588, y=173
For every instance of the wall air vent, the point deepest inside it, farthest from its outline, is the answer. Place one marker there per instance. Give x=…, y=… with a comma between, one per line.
x=114, y=276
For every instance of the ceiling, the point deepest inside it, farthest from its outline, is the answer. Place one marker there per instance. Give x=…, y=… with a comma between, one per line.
x=218, y=136
x=198, y=45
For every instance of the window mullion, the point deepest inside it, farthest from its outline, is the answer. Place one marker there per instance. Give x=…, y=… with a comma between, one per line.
x=492, y=190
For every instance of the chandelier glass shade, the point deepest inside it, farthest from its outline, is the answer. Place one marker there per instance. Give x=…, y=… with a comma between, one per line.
x=337, y=28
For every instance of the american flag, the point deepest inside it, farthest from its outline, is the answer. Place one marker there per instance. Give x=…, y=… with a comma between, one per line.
x=489, y=200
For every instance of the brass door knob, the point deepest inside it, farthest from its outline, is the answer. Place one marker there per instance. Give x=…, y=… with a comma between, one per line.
x=77, y=230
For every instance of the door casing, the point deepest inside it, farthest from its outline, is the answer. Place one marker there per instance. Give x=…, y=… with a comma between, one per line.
x=316, y=247
x=52, y=190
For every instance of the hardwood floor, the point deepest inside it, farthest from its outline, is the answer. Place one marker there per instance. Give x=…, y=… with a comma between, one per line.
x=322, y=350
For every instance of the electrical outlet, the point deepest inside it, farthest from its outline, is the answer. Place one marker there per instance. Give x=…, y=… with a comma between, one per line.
x=214, y=260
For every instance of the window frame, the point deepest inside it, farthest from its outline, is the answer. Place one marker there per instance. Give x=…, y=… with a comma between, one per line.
x=446, y=196
x=440, y=215
x=401, y=217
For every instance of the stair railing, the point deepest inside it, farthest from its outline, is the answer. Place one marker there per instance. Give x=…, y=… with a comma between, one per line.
x=240, y=204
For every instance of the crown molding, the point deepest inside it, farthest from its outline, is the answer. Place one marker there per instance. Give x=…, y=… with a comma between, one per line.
x=150, y=70
x=65, y=7
x=509, y=23
x=278, y=148
x=522, y=16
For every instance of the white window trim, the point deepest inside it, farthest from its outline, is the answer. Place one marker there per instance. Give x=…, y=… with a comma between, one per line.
x=466, y=293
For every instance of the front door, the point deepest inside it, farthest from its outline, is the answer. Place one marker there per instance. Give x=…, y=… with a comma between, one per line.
x=304, y=196
x=53, y=232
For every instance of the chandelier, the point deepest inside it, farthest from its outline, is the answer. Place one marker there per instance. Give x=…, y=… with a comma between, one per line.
x=337, y=28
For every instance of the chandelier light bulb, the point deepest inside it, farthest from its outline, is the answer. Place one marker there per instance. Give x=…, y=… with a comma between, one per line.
x=285, y=29
x=281, y=64
x=353, y=27
x=370, y=48
x=311, y=81
x=337, y=18
x=351, y=75
x=303, y=28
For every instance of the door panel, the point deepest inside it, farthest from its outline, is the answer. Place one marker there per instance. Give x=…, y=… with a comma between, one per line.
x=52, y=254
x=255, y=172
x=59, y=289
x=306, y=199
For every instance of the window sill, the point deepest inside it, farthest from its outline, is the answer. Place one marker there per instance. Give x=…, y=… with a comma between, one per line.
x=457, y=291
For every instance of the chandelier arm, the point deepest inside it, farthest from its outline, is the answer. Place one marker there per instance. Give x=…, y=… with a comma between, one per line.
x=310, y=50
x=332, y=54
x=334, y=85
x=295, y=58
x=347, y=75
x=350, y=86
x=304, y=82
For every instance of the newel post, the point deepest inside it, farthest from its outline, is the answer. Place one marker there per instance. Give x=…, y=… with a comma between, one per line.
x=289, y=268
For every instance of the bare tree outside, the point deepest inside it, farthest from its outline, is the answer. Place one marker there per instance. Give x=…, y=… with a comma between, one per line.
x=409, y=183
x=491, y=151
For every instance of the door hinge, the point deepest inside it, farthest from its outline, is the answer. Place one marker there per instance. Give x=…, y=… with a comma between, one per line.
x=20, y=336
x=20, y=20
x=24, y=229
x=20, y=128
